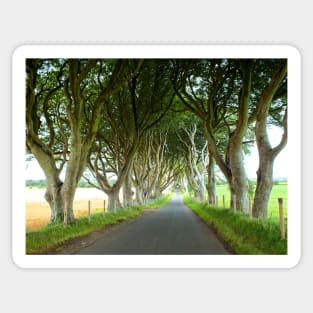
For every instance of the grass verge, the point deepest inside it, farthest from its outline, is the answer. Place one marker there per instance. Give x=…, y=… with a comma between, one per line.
x=242, y=234
x=55, y=236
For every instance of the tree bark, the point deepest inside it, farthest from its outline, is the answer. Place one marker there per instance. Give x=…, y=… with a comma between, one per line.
x=239, y=182
x=211, y=185
x=157, y=192
x=140, y=197
x=55, y=200
x=127, y=193
x=264, y=186
x=114, y=202
x=72, y=177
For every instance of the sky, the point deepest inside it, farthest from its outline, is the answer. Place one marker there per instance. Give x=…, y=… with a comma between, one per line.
x=280, y=168
x=33, y=170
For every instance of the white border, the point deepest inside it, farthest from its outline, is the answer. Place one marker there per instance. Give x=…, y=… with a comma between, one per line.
x=155, y=51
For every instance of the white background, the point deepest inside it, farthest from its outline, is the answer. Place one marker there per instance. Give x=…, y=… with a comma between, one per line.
x=102, y=22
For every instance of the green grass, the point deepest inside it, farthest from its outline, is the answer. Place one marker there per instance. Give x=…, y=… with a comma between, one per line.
x=54, y=236
x=242, y=234
x=278, y=191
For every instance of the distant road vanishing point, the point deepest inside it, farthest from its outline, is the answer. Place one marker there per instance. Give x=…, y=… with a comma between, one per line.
x=171, y=230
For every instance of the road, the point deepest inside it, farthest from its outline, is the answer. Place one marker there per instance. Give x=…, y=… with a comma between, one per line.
x=173, y=229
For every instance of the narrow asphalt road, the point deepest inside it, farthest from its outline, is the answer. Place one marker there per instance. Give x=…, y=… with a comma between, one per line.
x=173, y=229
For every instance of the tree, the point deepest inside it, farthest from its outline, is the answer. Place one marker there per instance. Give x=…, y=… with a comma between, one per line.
x=64, y=102
x=274, y=91
x=155, y=166
x=196, y=160
x=128, y=115
x=218, y=92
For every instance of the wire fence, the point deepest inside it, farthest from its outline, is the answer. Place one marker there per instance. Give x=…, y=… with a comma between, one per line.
x=278, y=191
x=87, y=207
x=224, y=201
x=277, y=208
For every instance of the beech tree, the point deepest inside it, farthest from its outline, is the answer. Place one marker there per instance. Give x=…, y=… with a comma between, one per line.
x=156, y=165
x=147, y=165
x=128, y=115
x=274, y=91
x=63, y=110
x=196, y=160
x=218, y=92
x=112, y=153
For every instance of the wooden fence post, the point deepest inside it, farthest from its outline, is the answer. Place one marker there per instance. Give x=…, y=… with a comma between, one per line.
x=281, y=219
x=65, y=218
x=216, y=201
x=103, y=207
x=89, y=210
x=250, y=208
x=223, y=202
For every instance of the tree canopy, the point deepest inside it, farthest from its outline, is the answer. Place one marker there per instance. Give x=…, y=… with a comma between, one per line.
x=141, y=126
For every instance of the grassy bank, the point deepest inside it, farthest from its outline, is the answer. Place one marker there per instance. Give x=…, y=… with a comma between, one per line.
x=56, y=235
x=241, y=234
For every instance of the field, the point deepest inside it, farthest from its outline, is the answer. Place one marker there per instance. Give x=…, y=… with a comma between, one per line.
x=38, y=211
x=278, y=191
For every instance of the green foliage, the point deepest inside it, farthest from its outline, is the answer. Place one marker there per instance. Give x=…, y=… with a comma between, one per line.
x=42, y=183
x=54, y=236
x=39, y=183
x=242, y=235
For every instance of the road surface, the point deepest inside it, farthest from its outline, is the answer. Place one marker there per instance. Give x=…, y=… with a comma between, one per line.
x=173, y=229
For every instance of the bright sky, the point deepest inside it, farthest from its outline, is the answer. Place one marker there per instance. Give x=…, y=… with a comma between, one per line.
x=33, y=170
x=281, y=161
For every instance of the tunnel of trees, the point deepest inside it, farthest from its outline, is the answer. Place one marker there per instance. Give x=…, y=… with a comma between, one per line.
x=148, y=124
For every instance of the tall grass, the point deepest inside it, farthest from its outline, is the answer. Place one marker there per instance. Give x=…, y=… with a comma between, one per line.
x=53, y=236
x=242, y=235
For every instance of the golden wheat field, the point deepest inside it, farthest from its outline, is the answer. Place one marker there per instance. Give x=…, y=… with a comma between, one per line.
x=38, y=211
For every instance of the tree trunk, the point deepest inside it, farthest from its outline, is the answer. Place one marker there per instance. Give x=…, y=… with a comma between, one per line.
x=239, y=183
x=53, y=193
x=139, y=195
x=127, y=193
x=157, y=193
x=68, y=193
x=264, y=187
x=114, y=203
x=71, y=178
x=197, y=194
x=54, y=198
x=211, y=185
x=201, y=188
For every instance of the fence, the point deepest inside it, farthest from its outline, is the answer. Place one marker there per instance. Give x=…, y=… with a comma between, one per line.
x=274, y=211
x=87, y=207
